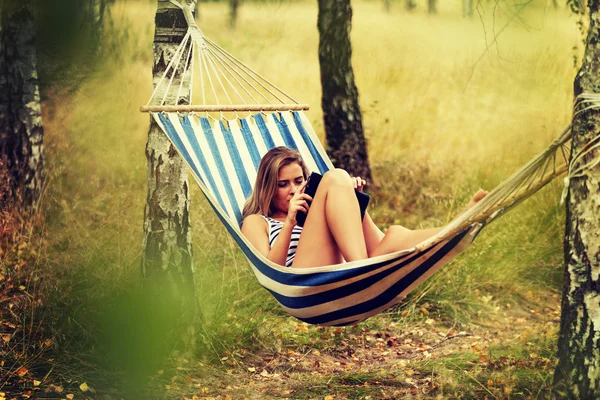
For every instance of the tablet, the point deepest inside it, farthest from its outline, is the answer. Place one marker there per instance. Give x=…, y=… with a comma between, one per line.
x=311, y=189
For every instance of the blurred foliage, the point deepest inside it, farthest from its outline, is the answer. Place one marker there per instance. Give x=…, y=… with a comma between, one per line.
x=69, y=41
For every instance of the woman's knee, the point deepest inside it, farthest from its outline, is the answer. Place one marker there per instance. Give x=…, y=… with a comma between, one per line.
x=337, y=177
x=397, y=230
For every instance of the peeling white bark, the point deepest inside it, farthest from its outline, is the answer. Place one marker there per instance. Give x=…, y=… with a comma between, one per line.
x=577, y=374
x=167, y=253
x=21, y=130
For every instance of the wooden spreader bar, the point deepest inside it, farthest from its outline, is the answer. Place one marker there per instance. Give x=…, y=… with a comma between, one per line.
x=226, y=108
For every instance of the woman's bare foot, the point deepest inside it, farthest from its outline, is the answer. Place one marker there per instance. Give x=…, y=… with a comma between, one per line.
x=477, y=197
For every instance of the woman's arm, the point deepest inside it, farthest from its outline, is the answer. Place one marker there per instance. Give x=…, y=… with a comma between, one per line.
x=256, y=230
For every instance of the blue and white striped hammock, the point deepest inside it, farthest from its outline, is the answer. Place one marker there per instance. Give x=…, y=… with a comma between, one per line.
x=224, y=161
x=223, y=156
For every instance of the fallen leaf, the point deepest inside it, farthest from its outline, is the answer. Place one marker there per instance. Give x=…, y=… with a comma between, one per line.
x=22, y=371
x=6, y=338
x=251, y=369
x=57, y=389
x=84, y=387
x=70, y=396
x=36, y=383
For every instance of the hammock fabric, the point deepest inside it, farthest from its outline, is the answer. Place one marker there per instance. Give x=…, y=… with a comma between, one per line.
x=223, y=156
x=224, y=160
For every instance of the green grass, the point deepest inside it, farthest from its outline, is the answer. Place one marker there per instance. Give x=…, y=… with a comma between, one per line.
x=438, y=125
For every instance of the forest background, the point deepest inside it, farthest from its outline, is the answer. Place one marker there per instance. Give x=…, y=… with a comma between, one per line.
x=450, y=104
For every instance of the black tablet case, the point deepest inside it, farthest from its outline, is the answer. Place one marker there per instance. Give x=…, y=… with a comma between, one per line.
x=311, y=188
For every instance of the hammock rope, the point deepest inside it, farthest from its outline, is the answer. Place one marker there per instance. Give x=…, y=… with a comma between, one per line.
x=577, y=168
x=228, y=78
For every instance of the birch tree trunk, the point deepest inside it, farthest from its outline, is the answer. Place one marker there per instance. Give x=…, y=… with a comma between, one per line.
x=577, y=375
x=167, y=247
x=346, y=142
x=467, y=7
x=21, y=130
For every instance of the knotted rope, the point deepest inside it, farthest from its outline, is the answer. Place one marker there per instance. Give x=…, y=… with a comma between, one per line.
x=577, y=167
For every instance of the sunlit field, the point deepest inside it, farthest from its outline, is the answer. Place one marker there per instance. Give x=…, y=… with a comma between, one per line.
x=449, y=105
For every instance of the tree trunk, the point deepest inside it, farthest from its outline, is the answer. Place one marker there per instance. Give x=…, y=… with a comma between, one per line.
x=233, y=12
x=95, y=16
x=387, y=5
x=467, y=6
x=346, y=143
x=21, y=130
x=167, y=248
x=577, y=375
x=432, y=6
x=410, y=5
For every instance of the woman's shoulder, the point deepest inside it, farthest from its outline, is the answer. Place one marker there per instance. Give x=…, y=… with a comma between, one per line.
x=254, y=220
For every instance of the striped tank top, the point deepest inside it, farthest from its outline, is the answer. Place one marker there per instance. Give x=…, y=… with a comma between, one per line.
x=274, y=231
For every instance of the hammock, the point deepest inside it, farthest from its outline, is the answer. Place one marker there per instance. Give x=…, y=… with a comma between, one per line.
x=223, y=156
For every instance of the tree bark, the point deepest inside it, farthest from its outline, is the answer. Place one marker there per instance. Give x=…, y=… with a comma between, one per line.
x=577, y=374
x=233, y=12
x=432, y=6
x=387, y=5
x=21, y=130
x=346, y=143
x=410, y=5
x=467, y=6
x=95, y=16
x=167, y=247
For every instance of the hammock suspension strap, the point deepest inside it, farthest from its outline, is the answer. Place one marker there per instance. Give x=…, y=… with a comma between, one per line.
x=226, y=84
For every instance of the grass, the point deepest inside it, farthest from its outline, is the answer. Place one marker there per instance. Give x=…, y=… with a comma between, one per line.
x=446, y=110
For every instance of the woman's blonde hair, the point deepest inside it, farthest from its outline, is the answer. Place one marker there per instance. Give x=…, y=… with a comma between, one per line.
x=265, y=188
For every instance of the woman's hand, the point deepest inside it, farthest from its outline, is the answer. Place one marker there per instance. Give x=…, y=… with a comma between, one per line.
x=359, y=183
x=299, y=202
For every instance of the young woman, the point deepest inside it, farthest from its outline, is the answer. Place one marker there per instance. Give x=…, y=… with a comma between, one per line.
x=333, y=231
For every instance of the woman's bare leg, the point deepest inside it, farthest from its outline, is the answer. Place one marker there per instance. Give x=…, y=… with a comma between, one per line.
x=371, y=233
x=399, y=238
x=333, y=228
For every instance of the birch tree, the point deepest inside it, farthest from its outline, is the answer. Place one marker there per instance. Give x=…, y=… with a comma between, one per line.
x=167, y=246
x=21, y=129
x=577, y=374
x=342, y=117
x=467, y=8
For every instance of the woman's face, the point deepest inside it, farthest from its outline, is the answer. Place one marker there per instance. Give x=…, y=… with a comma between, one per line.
x=289, y=181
